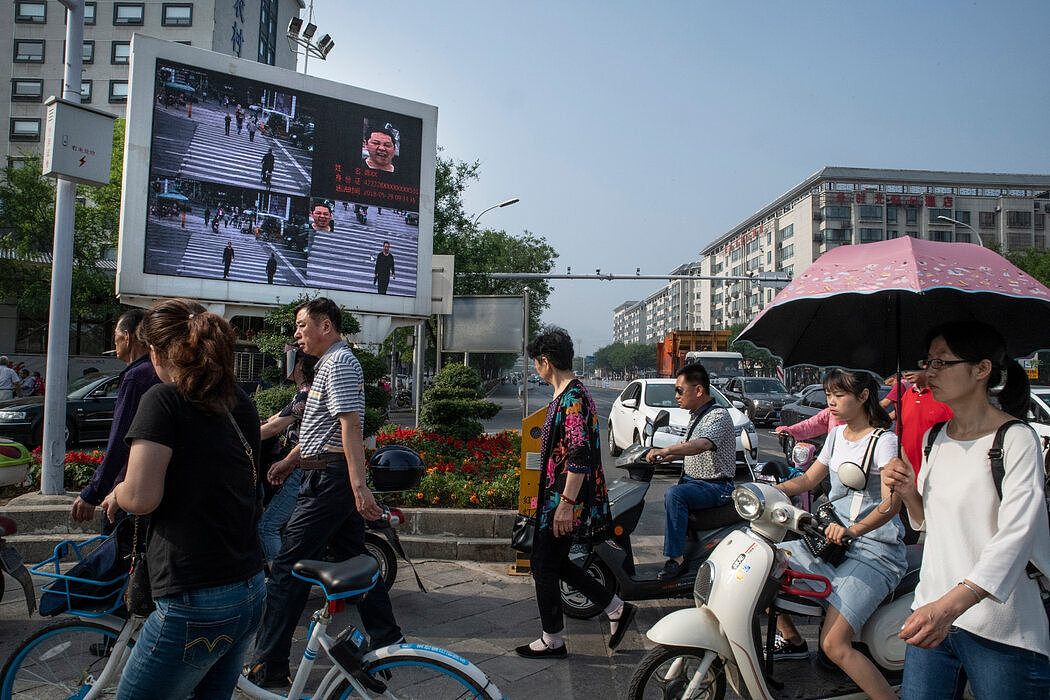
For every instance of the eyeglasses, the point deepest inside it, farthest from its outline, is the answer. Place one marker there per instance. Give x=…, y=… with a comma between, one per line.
x=938, y=364
x=678, y=391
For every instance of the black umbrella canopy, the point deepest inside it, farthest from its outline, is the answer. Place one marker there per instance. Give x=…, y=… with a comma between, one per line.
x=863, y=306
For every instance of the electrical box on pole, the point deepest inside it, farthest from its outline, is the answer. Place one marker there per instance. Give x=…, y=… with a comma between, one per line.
x=78, y=143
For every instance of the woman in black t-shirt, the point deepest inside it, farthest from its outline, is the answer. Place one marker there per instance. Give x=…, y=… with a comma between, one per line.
x=193, y=468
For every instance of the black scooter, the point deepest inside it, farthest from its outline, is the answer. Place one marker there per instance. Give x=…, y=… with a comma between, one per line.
x=612, y=561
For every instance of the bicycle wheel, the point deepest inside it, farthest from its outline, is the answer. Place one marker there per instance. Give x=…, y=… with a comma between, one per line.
x=61, y=660
x=409, y=676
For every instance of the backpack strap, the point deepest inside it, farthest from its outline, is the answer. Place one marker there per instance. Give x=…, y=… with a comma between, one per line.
x=995, y=455
x=935, y=430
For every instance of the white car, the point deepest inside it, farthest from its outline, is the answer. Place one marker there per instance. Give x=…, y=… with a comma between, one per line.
x=644, y=398
x=1039, y=411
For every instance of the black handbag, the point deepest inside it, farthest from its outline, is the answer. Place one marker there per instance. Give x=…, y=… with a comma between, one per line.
x=523, y=533
x=138, y=596
x=820, y=546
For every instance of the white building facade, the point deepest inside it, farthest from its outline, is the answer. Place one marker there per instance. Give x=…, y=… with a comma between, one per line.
x=32, y=38
x=629, y=322
x=841, y=206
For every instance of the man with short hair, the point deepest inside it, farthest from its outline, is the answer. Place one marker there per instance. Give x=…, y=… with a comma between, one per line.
x=8, y=379
x=227, y=259
x=322, y=217
x=268, y=163
x=136, y=378
x=380, y=146
x=271, y=268
x=709, y=450
x=384, y=268
x=333, y=500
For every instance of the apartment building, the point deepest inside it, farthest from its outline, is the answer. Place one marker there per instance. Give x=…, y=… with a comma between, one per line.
x=32, y=35
x=629, y=322
x=842, y=206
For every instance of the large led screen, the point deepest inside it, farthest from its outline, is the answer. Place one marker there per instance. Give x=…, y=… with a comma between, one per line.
x=258, y=184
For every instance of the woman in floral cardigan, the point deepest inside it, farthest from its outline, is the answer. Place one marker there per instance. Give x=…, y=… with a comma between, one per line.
x=573, y=503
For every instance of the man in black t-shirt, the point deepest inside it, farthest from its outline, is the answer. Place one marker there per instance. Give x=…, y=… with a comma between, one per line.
x=384, y=268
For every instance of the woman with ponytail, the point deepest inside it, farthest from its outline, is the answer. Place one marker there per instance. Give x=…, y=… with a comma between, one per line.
x=193, y=468
x=977, y=616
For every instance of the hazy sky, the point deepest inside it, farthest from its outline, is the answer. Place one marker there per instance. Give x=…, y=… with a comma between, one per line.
x=636, y=133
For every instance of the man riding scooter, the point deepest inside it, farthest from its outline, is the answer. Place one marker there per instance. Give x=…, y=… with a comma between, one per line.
x=709, y=450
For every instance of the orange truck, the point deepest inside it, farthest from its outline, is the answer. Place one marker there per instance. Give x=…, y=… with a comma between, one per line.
x=671, y=352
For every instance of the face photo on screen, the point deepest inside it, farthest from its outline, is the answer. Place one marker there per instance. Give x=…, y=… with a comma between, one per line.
x=379, y=147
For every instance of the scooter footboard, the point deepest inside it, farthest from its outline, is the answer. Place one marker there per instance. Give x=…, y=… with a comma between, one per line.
x=691, y=627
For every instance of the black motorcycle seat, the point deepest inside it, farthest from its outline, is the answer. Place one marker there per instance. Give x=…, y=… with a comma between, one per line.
x=341, y=579
x=911, y=575
x=714, y=518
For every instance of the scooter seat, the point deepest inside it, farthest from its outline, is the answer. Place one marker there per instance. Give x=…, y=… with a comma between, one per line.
x=714, y=518
x=911, y=576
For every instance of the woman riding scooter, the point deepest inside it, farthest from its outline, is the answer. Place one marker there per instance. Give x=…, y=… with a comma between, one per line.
x=876, y=561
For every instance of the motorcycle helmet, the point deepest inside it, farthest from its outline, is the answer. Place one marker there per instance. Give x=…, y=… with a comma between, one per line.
x=395, y=468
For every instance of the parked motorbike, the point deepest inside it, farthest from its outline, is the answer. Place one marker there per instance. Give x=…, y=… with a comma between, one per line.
x=11, y=563
x=612, y=562
x=403, y=398
x=700, y=649
x=384, y=546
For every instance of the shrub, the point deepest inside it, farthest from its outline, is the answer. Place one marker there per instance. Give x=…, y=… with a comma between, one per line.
x=272, y=400
x=455, y=404
x=79, y=467
x=481, y=472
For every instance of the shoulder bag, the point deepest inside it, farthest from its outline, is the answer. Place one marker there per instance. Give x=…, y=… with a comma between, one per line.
x=138, y=596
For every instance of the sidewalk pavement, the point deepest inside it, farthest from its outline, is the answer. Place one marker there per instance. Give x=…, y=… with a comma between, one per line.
x=476, y=610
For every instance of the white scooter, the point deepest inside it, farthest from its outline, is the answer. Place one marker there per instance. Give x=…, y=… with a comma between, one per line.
x=700, y=649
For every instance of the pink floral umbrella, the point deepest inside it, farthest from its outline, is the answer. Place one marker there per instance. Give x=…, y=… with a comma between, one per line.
x=870, y=306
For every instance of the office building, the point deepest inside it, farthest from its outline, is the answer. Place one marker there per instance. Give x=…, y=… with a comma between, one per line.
x=32, y=38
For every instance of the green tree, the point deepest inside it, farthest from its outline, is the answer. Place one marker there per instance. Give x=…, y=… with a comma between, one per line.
x=754, y=356
x=1034, y=262
x=620, y=357
x=456, y=405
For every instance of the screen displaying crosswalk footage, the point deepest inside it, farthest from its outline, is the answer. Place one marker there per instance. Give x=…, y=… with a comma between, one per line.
x=252, y=182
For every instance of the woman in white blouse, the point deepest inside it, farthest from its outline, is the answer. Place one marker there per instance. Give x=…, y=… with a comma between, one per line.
x=977, y=616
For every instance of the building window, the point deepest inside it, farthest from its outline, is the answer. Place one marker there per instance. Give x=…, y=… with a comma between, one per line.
x=120, y=53
x=840, y=235
x=986, y=219
x=89, y=12
x=869, y=212
x=85, y=91
x=176, y=15
x=24, y=129
x=962, y=236
x=1040, y=222
x=869, y=235
x=911, y=215
x=27, y=89
x=29, y=50
x=787, y=232
x=942, y=236
x=129, y=14
x=1018, y=219
x=962, y=216
x=31, y=12
x=935, y=213
x=118, y=91
x=836, y=212
x=891, y=215
x=787, y=251
x=892, y=233
x=87, y=54
x=753, y=245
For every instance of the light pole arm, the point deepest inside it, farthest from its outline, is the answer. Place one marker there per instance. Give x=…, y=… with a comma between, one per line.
x=507, y=203
x=964, y=225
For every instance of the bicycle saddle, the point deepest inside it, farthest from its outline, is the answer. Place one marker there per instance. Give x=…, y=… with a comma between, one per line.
x=342, y=579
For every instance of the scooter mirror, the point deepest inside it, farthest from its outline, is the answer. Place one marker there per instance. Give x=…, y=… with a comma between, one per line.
x=662, y=420
x=853, y=476
x=745, y=441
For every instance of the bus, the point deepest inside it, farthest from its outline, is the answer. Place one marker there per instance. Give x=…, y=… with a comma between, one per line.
x=720, y=365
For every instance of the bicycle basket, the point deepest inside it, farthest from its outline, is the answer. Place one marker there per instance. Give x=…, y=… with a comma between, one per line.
x=93, y=587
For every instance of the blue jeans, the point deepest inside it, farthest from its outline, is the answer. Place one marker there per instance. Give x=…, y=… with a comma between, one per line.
x=994, y=670
x=194, y=643
x=689, y=494
x=325, y=514
x=277, y=513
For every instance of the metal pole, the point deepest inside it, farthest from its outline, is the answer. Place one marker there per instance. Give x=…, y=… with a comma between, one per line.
x=417, y=370
x=525, y=356
x=440, y=339
x=306, y=58
x=52, y=472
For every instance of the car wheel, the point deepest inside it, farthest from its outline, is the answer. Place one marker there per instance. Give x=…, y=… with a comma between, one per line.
x=614, y=451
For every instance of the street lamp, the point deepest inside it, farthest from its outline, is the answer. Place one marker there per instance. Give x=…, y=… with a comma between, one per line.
x=496, y=206
x=959, y=223
x=303, y=36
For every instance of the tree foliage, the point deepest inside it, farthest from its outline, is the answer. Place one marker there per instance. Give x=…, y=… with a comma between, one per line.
x=755, y=358
x=27, y=216
x=629, y=357
x=1034, y=262
x=455, y=405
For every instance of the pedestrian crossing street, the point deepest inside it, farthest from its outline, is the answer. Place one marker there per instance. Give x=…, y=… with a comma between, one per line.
x=198, y=148
x=345, y=258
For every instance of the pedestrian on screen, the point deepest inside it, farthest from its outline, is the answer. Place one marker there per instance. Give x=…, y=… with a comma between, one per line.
x=227, y=259
x=228, y=119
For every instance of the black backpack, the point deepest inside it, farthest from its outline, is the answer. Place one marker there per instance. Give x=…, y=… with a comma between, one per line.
x=995, y=456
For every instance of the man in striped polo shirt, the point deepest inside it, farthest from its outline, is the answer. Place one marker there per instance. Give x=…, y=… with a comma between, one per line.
x=332, y=499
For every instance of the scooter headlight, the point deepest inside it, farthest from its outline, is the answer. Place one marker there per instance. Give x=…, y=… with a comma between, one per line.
x=802, y=454
x=749, y=502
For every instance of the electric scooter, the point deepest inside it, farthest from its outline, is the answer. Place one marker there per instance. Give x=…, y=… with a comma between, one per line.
x=700, y=649
x=612, y=562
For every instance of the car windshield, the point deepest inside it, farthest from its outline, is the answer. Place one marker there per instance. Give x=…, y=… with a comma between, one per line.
x=79, y=388
x=662, y=396
x=764, y=386
x=721, y=366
